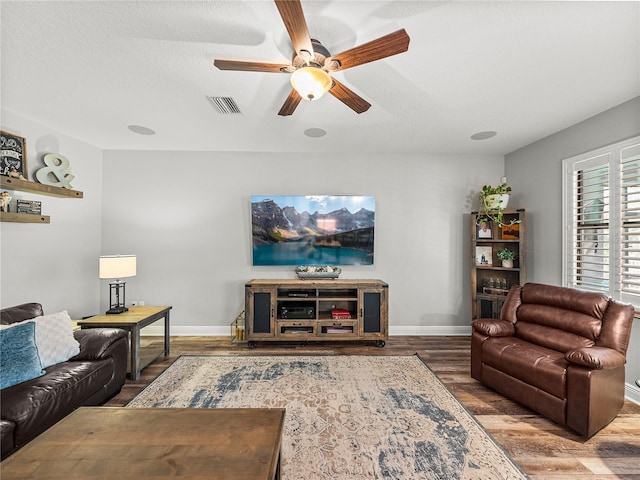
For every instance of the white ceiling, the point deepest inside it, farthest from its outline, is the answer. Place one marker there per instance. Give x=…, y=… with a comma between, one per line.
x=525, y=69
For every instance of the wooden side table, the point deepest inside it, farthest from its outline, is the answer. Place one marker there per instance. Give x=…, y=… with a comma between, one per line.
x=134, y=321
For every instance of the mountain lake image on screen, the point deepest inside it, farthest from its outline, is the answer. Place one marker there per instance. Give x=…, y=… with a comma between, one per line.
x=312, y=229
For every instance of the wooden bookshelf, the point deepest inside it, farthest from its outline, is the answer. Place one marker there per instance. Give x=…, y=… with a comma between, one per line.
x=490, y=281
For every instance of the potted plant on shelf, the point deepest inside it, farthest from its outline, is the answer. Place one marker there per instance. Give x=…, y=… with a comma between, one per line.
x=493, y=202
x=507, y=256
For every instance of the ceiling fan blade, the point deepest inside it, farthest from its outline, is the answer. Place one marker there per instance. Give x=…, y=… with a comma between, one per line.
x=290, y=103
x=249, y=66
x=293, y=18
x=351, y=99
x=391, y=44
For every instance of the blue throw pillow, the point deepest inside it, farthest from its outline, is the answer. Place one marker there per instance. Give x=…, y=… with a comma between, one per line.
x=19, y=359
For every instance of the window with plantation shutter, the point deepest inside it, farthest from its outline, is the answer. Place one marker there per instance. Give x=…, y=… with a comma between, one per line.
x=630, y=220
x=587, y=261
x=601, y=216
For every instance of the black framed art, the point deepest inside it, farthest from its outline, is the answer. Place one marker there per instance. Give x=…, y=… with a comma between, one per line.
x=13, y=155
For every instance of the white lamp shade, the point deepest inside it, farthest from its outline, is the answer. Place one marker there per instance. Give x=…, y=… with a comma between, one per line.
x=311, y=82
x=117, y=266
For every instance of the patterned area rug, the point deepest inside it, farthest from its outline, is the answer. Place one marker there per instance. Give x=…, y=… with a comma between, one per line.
x=347, y=417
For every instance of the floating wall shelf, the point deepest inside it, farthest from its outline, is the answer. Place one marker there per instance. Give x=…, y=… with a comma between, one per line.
x=10, y=183
x=24, y=218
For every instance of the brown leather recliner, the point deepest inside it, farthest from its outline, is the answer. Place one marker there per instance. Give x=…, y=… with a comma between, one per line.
x=559, y=351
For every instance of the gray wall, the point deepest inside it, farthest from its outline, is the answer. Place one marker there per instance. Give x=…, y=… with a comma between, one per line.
x=186, y=215
x=535, y=173
x=190, y=226
x=55, y=264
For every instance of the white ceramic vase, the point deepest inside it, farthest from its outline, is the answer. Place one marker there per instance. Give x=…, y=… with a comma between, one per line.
x=492, y=202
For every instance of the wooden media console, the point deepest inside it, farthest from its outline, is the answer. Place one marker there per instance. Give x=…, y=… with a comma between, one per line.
x=316, y=310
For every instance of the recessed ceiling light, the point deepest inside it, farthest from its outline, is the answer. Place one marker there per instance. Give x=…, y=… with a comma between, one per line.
x=483, y=135
x=139, y=129
x=315, y=132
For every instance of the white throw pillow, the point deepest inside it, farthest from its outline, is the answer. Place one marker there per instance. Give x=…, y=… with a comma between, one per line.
x=54, y=338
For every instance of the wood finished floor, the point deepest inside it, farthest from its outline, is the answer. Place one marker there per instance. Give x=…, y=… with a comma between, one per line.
x=543, y=449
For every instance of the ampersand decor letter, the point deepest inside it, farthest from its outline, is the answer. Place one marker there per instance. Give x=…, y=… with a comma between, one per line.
x=56, y=173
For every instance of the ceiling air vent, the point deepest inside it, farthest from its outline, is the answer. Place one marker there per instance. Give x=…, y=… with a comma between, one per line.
x=225, y=105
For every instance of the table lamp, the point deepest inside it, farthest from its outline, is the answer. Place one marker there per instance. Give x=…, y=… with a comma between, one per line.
x=117, y=267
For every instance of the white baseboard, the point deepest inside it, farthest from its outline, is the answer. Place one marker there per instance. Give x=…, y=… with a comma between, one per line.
x=632, y=393
x=431, y=330
x=182, y=331
x=205, y=331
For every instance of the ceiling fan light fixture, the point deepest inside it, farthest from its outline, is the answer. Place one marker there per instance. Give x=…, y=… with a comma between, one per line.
x=311, y=82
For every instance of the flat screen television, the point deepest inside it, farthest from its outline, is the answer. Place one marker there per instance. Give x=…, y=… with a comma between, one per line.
x=312, y=229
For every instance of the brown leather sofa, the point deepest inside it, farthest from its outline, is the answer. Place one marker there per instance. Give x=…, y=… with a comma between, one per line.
x=558, y=351
x=90, y=378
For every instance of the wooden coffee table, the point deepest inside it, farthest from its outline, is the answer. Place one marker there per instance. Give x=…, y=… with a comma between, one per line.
x=134, y=321
x=139, y=443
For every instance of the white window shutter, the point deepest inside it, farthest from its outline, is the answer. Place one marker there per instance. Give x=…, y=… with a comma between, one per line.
x=601, y=214
x=587, y=265
x=630, y=221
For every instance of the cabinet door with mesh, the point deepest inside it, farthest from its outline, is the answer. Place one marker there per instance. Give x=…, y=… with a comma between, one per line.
x=373, y=304
x=259, y=313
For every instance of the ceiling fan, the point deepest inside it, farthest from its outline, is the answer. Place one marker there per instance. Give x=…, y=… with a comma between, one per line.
x=312, y=62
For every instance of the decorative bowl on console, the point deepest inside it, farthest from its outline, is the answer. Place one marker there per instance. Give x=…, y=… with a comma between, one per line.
x=317, y=271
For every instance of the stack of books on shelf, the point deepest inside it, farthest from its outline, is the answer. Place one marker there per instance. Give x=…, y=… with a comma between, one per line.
x=340, y=314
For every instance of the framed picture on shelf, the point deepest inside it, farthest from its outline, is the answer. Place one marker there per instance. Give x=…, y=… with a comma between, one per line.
x=511, y=232
x=484, y=256
x=13, y=155
x=483, y=230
